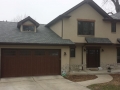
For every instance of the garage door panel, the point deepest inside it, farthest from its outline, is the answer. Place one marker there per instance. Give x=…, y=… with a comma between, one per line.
x=23, y=62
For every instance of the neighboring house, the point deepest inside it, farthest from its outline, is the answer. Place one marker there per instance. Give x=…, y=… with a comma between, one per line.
x=85, y=36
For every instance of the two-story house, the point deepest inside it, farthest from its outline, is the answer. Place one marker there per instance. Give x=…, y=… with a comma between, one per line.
x=85, y=36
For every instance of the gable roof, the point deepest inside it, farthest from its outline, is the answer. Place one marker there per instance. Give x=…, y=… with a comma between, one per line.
x=90, y=2
x=27, y=19
x=10, y=34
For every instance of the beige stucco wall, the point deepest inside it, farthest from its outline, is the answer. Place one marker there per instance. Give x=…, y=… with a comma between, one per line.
x=77, y=60
x=108, y=56
x=64, y=58
x=84, y=12
x=102, y=28
x=28, y=23
x=57, y=28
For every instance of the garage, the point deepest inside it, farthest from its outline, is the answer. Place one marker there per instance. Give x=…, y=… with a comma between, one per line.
x=29, y=62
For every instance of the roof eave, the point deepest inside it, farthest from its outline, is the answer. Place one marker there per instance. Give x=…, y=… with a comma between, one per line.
x=106, y=19
x=45, y=44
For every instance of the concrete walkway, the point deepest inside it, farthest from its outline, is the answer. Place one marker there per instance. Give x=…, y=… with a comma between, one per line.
x=39, y=83
x=100, y=79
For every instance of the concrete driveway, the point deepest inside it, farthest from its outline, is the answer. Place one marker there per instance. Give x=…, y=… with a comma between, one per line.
x=39, y=83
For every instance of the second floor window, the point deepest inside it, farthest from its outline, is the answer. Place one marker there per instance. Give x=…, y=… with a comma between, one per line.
x=85, y=28
x=28, y=28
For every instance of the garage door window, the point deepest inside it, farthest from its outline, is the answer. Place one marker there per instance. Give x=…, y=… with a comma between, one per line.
x=9, y=52
x=39, y=52
x=24, y=52
x=53, y=53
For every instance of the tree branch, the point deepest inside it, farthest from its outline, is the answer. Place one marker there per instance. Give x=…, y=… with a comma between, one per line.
x=114, y=2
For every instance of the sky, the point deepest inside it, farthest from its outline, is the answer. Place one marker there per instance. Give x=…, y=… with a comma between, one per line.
x=43, y=11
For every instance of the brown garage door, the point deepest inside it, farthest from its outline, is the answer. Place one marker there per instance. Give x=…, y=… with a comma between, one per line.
x=18, y=62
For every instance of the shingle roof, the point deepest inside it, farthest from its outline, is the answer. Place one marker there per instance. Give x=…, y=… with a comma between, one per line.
x=118, y=40
x=9, y=33
x=98, y=40
x=90, y=2
x=116, y=16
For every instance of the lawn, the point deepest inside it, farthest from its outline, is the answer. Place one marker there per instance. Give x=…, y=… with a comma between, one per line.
x=112, y=85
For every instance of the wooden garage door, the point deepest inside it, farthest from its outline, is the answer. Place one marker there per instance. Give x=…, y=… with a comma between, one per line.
x=18, y=62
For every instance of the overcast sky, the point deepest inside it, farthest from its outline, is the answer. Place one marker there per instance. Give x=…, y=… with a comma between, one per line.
x=42, y=11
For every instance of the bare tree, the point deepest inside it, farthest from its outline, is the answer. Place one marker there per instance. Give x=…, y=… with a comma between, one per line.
x=19, y=18
x=116, y=4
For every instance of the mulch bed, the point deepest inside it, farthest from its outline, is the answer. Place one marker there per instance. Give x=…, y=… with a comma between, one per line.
x=79, y=78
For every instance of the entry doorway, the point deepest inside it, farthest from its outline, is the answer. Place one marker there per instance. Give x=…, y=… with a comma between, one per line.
x=93, y=57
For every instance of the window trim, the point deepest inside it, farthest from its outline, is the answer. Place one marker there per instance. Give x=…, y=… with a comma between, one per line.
x=85, y=20
x=72, y=56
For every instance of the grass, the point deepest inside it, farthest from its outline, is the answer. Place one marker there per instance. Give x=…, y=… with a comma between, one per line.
x=112, y=85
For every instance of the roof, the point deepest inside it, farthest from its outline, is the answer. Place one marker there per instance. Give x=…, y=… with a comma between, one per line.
x=9, y=33
x=90, y=2
x=118, y=40
x=98, y=40
x=116, y=16
x=26, y=19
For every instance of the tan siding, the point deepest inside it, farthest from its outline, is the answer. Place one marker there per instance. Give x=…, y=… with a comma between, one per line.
x=57, y=28
x=78, y=56
x=28, y=23
x=102, y=28
x=108, y=56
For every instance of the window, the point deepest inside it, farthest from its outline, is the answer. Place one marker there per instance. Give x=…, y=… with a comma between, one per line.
x=85, y=28
x=39, y=52
x=113, y=27
x=9, y=52
x=25, y=52
x=54, y=53
x=72, y=52
x=118, y=55
x=28, y=28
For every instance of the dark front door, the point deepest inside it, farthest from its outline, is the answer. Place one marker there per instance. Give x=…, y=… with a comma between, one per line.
x=93, y=58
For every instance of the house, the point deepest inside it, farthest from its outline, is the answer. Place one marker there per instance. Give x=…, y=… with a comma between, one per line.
x=84, y=36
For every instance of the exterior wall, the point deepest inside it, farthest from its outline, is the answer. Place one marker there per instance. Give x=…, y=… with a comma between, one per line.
x=64, y=58
x=108, y=56
x=77, y=60
x=57, y=28
x=102, y=28
x=28, y=23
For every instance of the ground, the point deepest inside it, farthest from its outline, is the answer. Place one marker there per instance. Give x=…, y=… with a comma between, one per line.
x=56, y=82
x=112, y=85
x=79, y=78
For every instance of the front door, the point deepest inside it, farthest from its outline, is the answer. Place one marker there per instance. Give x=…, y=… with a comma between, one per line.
x=93, y=58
